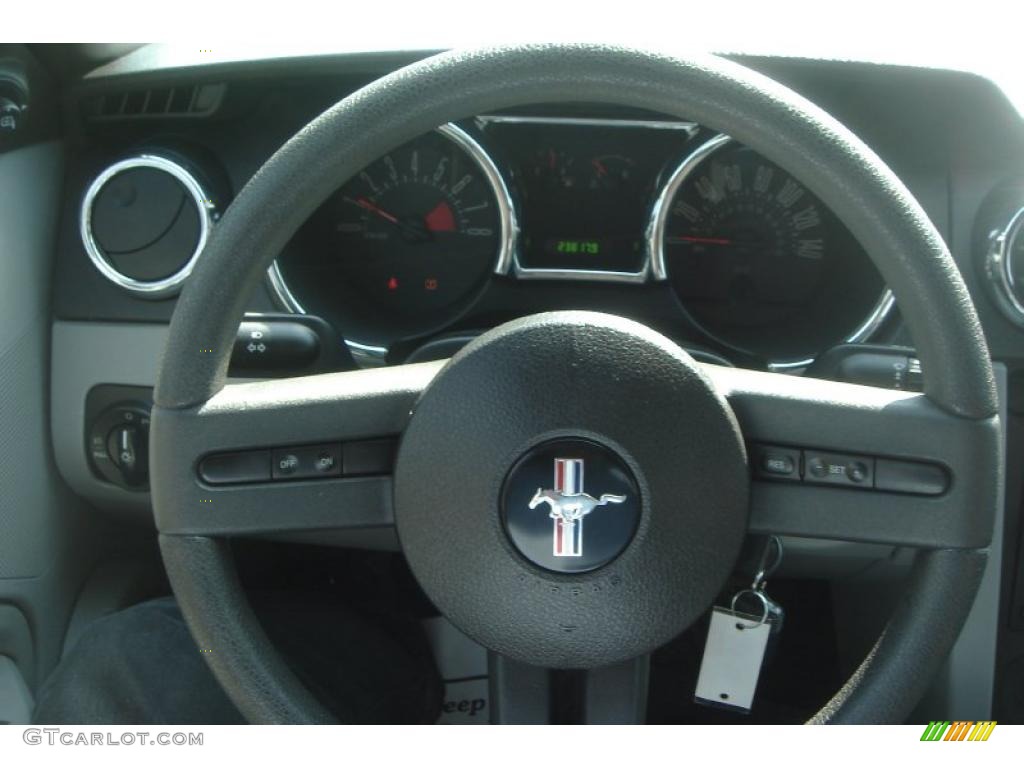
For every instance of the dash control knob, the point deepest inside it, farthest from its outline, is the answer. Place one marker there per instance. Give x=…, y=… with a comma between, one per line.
x=118, y=445
x=1004, y=267
x=126, y=446
x=10, y=115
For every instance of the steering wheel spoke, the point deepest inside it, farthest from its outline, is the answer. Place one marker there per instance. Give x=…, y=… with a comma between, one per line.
x=522, y=694
x=224, y=466
x=859, y=455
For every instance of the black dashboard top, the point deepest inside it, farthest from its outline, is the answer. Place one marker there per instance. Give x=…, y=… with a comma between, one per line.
x=566, y=206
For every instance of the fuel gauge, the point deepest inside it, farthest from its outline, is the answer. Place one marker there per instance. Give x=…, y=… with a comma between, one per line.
x=553, y=169
x=610, y=172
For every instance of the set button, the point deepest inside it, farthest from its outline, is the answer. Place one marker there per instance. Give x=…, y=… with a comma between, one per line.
x=838, y=469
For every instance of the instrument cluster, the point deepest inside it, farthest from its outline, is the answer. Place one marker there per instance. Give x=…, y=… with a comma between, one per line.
x=662, y=220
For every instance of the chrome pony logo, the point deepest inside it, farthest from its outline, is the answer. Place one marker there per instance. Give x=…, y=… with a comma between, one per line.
x=569, y=505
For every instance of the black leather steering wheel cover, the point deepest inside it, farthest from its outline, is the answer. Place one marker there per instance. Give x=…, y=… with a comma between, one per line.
x=787, y=129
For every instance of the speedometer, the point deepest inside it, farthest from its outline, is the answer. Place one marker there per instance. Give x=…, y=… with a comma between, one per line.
x=759, y=262
x=401, y=248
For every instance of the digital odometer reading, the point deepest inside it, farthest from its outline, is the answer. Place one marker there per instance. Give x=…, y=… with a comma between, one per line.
x=556, y=247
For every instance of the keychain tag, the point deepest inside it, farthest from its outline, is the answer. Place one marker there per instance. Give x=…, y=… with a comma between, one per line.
x=732, y=660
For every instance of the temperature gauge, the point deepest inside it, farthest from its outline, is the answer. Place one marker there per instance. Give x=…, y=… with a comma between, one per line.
x=610, y=172
x=552, y=169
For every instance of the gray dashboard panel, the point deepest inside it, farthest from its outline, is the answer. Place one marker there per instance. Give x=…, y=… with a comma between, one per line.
x=84, y=355
x=29, y=188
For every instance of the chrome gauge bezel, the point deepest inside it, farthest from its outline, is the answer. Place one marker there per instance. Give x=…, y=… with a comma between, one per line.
x=999, y=267
x=205, y=208
x=370, y=354
x=659, y=270
x=514, y=265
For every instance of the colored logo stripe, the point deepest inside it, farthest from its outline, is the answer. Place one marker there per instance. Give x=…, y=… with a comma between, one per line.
x=568, y=541
x=959, y=730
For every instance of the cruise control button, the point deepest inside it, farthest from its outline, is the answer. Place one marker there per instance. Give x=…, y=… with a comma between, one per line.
x=910, y=477
x=777, y=463
x=839, y=469
x=285, y=464
x=857, y=471
x=817, y=468
x=325, y=462
x=307, y=461
x=370, y=457
x=239, y=467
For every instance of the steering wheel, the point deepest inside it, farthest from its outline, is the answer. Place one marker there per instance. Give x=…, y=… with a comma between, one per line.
x=668, y=434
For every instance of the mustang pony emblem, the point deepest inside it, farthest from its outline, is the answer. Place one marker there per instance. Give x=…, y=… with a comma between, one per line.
x=569, y=505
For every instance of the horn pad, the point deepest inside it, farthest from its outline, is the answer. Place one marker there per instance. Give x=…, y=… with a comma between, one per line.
x=634, y=467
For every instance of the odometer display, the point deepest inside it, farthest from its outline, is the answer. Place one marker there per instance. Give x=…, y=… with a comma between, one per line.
x=585, y=191
x=759, y=262
x=404, y=245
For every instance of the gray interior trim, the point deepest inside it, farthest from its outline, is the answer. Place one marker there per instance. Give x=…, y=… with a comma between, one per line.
x=29, y=188
x=48, y=538
x=84, y=355
x=15, y=699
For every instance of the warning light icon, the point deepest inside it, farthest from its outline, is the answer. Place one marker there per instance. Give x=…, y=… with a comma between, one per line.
x=392, y=283
x=430, y=284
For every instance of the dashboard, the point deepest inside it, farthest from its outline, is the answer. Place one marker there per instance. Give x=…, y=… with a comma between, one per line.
x=499, y=216
x=742, y=257
x=560, y=206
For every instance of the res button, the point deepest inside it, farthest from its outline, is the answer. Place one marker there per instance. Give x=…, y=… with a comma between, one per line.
x=771, y=462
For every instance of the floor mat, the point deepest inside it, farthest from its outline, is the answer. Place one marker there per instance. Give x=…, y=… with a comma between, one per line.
x=463, y=667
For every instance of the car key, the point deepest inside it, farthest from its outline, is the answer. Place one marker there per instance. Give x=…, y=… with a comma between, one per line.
x=739, y=643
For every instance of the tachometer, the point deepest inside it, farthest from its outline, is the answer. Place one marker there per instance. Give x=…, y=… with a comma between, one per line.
x=404, y=245
x=759, y=262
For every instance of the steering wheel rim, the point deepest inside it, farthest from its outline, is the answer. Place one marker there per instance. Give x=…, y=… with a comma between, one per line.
x=724, y=96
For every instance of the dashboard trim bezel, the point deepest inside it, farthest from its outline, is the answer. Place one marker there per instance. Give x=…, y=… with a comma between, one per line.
x=148, y=289
x=371, y=355
x=999, y=264
x=515, y=267
x=659, y=270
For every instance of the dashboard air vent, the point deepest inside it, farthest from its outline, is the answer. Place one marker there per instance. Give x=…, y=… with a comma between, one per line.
x=179, y=101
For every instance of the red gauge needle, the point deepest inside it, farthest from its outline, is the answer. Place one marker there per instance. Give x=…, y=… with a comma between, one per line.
x=366, y=205
x=599, y=167
x=706, y=240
